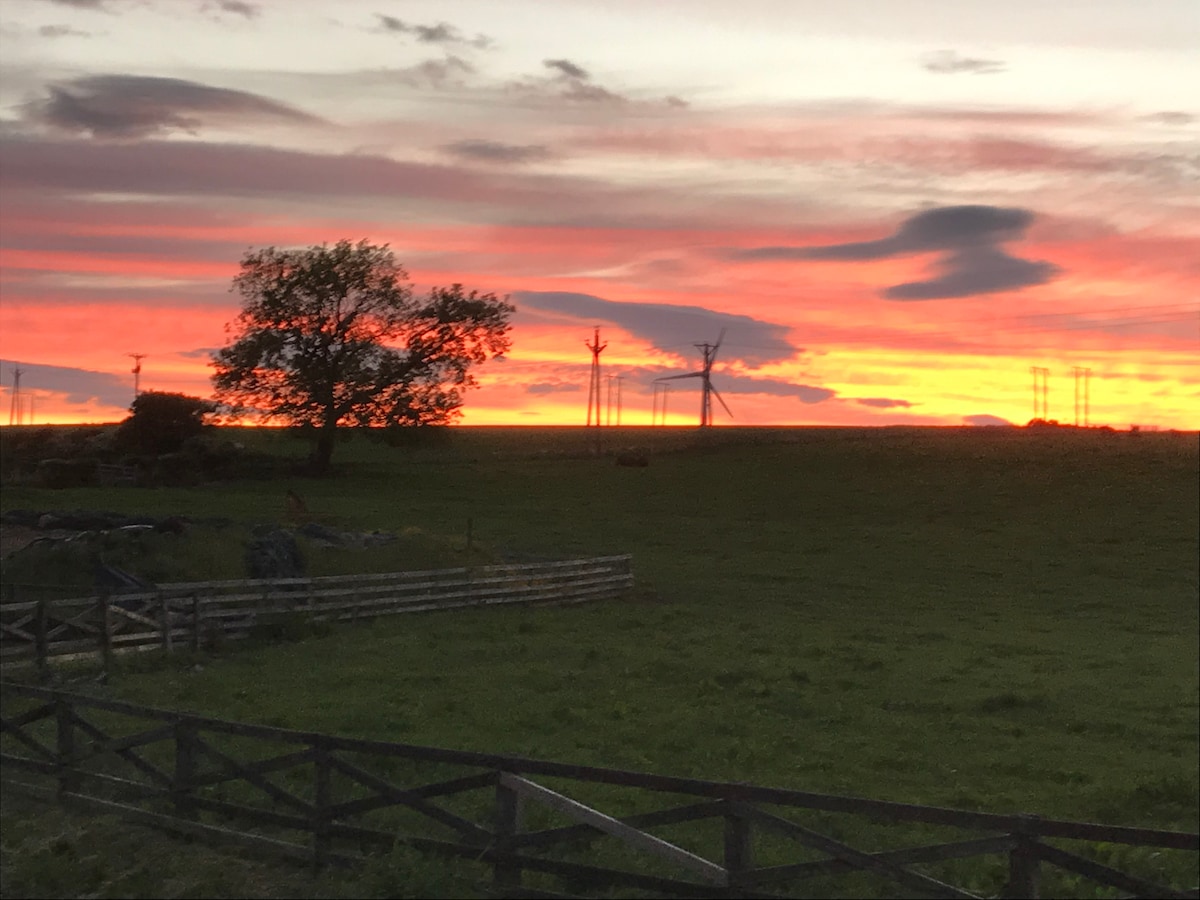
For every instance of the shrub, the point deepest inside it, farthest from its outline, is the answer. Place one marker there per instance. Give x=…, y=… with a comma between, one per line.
x=161, y=423
x=68, y=473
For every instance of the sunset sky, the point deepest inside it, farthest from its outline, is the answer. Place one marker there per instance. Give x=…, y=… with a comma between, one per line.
x=893, y=208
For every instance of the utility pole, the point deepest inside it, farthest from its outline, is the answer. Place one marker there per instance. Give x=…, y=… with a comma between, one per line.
x=620, y=378
x=608, y=406
x=15, y=409
x=137, y=372
x=1082, y=374
x=594, y=384
x=1040, y=374
x=659, y=415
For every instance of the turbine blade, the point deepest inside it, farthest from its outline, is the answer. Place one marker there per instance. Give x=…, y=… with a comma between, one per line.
x=688, y=375
x=722, y=402
x=712, y=356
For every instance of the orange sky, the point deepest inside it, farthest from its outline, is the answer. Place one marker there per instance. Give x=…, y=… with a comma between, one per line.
x=896, y=241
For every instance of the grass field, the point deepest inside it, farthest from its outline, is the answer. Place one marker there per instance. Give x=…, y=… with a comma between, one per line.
x=996, y=619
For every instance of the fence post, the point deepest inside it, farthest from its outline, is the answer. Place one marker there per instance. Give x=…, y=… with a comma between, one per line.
x=1023, y=862
x=68, y=780
x=739, y=855
x=164, y=612
x=195, y=623
x=185, y=768
x=106, y=632
x=321, y=803
x=506, y=874
x=41, y=643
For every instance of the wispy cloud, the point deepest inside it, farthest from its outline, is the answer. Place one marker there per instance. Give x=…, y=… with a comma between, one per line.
x=138, y=106
x=552, y=387
x=240, y=8
x=728, y=383
x=948, y=62
x=970, y=239
x=57, y=31
x=567, y=68
x=441, y=33
x=568, y=81
x=496, y=152
x=449, y=71
x=1170, y=117
x=96, y=5
x=882, y=402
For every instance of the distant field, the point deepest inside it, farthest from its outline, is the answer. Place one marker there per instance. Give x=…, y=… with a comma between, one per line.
x=1000, y=619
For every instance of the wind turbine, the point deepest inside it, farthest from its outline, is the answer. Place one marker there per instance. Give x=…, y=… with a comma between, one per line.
x=709, y=352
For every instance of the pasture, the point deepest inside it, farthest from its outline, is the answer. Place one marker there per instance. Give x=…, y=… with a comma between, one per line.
x=993, y=619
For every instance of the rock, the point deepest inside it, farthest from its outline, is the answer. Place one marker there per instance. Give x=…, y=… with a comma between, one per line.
x=172, y=525
x=274, y=555
x=375, y=538
x=322, y=533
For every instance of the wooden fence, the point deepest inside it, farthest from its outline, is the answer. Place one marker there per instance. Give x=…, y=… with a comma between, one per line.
x=265, y=787
x=192, y=615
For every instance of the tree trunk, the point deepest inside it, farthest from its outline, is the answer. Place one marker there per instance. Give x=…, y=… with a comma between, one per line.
x=323, y=451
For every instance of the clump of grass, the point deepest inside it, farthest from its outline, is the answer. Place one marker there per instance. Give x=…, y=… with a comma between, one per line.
x=1010, y=701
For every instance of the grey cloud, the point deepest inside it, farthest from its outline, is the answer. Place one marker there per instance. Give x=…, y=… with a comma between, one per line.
x=1170, y=117
x=56, y=31
x=947, y=62
x=969, y=273
x=567, y=68
x=590, y=93
x=969, y=239
x=199, y=353
x=136, y=106
x=438, y=73
x=239, y=8
x=79, y=385
x=985, y=420
x=174, y=168
x=881, y=402
x=670, y=328
x=441, y=33
x=549, y=387
x=747, y=384
x=98, y=5
x=496, y=152
x=570, y=82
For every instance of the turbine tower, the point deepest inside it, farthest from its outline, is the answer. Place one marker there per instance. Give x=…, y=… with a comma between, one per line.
x=594, y=396
x=709, y=353
x=15, y=408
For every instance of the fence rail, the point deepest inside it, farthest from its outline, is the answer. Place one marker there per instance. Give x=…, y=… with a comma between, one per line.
x=343, y=796
x=192, y=614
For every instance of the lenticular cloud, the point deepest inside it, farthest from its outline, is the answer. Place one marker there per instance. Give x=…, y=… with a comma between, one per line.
x=969, y=238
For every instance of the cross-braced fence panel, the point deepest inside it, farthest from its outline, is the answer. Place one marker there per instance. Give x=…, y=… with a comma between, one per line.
x=547, y=829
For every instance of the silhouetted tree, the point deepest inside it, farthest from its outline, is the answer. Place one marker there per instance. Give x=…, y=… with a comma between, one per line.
x=332, y=335
x=160, y=422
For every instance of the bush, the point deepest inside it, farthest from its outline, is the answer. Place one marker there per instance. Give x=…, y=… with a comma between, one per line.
x=68, y=473
x=161, y=423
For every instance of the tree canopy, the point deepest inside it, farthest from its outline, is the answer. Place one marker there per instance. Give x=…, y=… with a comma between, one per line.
x=334, y=336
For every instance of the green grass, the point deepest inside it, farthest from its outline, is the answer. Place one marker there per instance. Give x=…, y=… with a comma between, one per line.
x=993, y=619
